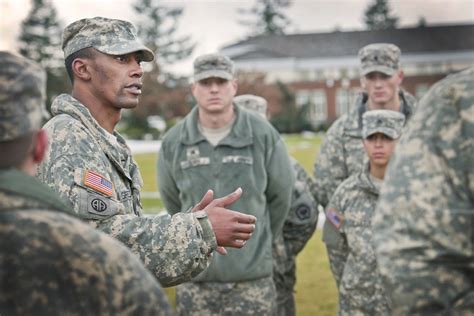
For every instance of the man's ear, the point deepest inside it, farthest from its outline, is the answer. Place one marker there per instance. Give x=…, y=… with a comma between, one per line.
x=235, y=86
x=40, y=146
x=400, y=76
x=81, y=68
x=362, y=82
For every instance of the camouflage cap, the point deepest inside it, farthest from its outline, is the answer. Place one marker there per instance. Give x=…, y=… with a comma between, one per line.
x=252, y=103
x=379, y=57
x=22, y=96
x=213, y=65
x=109, y=36
x=386, y=122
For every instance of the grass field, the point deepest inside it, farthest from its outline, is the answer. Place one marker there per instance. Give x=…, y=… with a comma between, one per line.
x=315, y=289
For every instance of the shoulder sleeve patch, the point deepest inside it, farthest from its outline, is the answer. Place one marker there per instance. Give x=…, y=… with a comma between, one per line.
x=98, y=183
x=335, y=217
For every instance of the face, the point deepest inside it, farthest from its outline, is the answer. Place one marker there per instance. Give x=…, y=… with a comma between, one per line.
x=117, y=79
x=381, y=88
x=379, y=148
x=214, y=95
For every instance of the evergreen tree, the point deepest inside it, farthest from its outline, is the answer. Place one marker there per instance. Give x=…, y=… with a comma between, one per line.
x=377, y=16
x=40, y=40
x=268, y=17
x=157, y=27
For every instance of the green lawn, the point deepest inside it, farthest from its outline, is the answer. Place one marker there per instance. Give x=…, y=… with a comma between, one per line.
x=315, y=289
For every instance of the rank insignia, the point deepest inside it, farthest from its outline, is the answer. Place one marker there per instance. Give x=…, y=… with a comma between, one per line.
x=98, y=183
x=334, y=217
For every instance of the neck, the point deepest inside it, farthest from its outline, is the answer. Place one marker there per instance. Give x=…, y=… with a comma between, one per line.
x=216, y=120
x=106, y=116
x=377, y=171
x=393, y=105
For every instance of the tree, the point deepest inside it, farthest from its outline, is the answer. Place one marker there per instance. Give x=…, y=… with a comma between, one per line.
x=377, y=16
x=40, y=40
x=157, y=27
x=268, y=17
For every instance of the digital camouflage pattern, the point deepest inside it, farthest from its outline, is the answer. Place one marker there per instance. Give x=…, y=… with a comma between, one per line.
x=109, y=36
x=174, y=248
x=380, y=57
x=22, y=96
x=252, y=103
x=342, y=152
x=213, y=65
x=386, y=122
x=298, y=228
x=235, y=299
x=423, y=228
x=350, y=250
x=53, y=264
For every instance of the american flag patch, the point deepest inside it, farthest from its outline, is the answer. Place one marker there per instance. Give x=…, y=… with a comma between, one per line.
x=334, y=217
x=98, y=183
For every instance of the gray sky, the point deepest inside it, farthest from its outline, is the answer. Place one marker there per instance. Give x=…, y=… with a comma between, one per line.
x=213, y=23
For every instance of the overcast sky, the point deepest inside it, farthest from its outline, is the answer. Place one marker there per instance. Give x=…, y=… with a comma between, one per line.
x=213, y=23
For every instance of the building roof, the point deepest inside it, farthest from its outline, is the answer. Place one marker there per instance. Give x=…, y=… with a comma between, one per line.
x=416, y=40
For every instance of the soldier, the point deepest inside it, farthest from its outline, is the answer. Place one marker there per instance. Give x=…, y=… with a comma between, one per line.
x=342, y=153
x=90, y=164
x=350, y=213
x=222, y=146
x=423, y=228
x=50, y=262
x=299, y=225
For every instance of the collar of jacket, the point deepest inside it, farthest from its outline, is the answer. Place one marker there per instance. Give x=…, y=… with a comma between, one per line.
x=66, y=104
x=364, y=182
x=353, y=124
x=239, y=136
x=36, y=194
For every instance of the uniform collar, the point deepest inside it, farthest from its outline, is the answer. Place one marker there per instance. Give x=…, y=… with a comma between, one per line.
x=240, y=135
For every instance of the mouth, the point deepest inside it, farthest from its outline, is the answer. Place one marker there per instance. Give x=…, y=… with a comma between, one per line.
x=134, y=88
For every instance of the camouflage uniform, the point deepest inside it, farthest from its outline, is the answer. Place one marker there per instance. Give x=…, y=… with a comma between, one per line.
x=95, y=171
x=348, y=234
x=50, y=262
x=341, y=153
x=298, y=228
x=423, y=228
x=251, y=156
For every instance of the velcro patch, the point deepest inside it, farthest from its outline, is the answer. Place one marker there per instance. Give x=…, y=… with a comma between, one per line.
x=334, y=217
x=98, y=183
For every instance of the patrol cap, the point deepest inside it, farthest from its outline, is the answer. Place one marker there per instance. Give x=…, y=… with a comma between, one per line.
x=386, y=122
x=381, y=57
x=252, y=103
x=22, y=96
x=213, y=65
x=109, y=36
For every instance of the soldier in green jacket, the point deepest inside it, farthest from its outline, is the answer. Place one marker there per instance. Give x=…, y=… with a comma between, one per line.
x=424, y=223
x=50, y=262
x=299, y=225
x=349, y=216
x=90, y=165
x=222, y=147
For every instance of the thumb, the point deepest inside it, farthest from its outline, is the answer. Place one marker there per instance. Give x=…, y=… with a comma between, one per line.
x=228, y=199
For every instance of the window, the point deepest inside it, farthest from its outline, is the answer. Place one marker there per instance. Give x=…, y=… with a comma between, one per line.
x=344, y=100
x=317, y=103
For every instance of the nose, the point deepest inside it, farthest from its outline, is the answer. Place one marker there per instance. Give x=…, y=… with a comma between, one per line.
x=137, y=70
x=214, y=87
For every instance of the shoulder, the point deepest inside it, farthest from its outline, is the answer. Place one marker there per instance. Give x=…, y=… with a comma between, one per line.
x=347, y=187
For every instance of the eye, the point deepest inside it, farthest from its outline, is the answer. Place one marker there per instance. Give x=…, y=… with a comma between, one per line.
x=121, y=58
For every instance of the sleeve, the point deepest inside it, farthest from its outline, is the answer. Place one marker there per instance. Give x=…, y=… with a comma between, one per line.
x=329, y=168
x=303, y=216
x=334, y=236
x=168, y=189
x=280, y=184
x=174, y=248
x=424, y=223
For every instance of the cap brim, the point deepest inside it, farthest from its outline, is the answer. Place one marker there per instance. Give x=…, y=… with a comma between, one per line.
x=212, y=74
x=127, y=48
x=393, y=134
x=383, y=69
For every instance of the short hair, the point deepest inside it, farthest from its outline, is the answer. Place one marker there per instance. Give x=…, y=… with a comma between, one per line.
x=86, y=53
x=16, y=150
